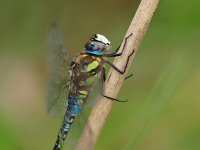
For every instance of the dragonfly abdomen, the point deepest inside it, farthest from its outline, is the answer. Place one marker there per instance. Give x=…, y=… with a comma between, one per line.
x=73, y=109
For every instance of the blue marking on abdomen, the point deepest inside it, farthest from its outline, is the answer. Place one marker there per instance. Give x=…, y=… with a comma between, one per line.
x=71, y=101
x=73, y=107
x=67, y=126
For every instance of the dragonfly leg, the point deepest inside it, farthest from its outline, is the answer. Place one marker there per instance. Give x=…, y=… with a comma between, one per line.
x=128, y=76
x=102, y=88
x=115, y=54
x=116, y=68
x=114, y=99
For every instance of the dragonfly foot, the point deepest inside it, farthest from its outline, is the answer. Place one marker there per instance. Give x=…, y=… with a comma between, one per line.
x=114, y=99
x=129, y=76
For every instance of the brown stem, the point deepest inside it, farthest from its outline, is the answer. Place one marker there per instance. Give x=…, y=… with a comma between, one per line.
x=114, y=81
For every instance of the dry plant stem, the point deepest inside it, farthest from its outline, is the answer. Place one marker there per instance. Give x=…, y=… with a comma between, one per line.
x=114, y=81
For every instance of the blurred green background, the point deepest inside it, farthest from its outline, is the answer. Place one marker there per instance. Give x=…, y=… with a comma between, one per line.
x=164, y=100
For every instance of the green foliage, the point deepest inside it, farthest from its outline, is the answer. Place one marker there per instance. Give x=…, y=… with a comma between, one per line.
x=8, y=140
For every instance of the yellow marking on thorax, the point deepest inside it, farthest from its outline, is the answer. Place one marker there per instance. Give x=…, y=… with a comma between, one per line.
x=98, y=58
x=84, y=92
x=92, y=65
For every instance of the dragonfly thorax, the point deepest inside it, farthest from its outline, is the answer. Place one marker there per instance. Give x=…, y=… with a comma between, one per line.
x=97, y=45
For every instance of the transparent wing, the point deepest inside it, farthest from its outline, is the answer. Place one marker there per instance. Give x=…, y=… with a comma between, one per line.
x=59, y=62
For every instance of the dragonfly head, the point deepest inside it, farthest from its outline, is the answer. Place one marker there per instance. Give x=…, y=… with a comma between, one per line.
x=97, y=45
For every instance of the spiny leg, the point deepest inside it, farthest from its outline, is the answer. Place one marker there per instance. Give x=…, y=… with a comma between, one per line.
x=104, y=76
x=115, y=54
x=116, y=68
x=128, y=76
x=102, y=88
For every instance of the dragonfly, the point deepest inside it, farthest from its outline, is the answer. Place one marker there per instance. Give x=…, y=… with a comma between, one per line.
x=72, y=79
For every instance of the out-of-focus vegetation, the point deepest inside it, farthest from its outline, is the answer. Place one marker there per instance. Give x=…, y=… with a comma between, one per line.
x=164, y=100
